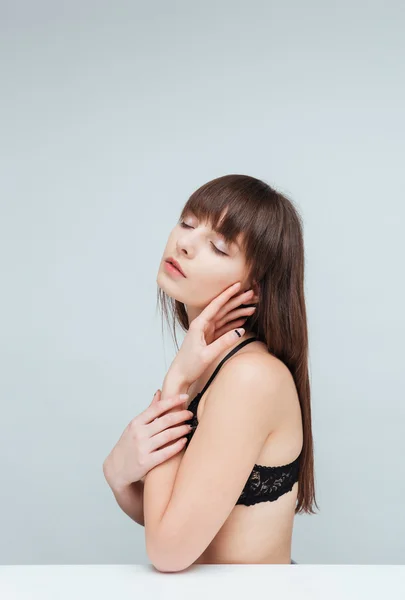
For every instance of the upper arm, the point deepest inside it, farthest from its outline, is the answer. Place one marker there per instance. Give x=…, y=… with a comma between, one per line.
x=238, y=416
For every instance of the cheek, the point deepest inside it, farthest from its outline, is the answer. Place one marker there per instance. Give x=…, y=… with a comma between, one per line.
x=211, y=284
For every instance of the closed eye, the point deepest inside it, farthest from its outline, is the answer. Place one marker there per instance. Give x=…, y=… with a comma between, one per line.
x=185, y=226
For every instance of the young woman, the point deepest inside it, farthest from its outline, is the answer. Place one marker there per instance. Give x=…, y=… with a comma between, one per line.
x=228, y=488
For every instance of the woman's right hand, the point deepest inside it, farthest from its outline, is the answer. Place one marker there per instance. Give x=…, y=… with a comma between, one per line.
x=140, y=447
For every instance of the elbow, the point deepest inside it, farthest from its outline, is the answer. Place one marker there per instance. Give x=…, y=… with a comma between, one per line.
x=167, y=564
x=165, y=559
x=168, y=568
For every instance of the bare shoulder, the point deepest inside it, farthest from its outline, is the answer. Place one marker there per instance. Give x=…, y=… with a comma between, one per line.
x=264, y=375
x=267, y=368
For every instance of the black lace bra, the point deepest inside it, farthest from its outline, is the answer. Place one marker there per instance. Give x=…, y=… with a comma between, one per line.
x=264, y=483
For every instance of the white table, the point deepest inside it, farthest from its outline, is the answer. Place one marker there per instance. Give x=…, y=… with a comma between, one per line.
x=208, y=582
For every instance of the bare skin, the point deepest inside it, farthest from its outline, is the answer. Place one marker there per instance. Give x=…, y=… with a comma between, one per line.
x=262, y=533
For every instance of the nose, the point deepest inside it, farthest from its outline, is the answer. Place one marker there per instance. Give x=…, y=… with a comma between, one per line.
x=184, y=247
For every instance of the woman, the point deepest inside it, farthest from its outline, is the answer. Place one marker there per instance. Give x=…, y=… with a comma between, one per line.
x=228, y=490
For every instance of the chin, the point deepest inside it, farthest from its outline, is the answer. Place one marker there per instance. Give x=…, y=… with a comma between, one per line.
x=168, y=286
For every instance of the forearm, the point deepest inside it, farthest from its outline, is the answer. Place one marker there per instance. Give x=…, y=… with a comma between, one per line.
x=130, y=500
x=159, y=481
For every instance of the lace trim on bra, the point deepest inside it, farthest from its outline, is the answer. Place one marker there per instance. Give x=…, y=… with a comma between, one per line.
x=269, y=483
x=265, y=483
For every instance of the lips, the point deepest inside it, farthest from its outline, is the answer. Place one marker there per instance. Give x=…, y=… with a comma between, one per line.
x=174, y=262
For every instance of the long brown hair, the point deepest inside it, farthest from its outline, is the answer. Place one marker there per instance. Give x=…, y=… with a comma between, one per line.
x=272, y=232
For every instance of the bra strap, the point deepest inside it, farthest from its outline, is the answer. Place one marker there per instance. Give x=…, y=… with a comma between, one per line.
x=231, y=353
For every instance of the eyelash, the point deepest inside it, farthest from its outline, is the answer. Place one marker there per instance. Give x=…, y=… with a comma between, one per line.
x=182, y=224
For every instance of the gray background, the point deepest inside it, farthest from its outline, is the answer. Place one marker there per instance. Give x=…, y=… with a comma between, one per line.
x=112, y=114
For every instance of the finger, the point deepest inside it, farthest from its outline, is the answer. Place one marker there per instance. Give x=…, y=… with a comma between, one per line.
x=169, y=420
x=223, y=343
x=214, y=306
x=234, y=303
x=164, y=454
x=168, y=435
x=158, y=408
x=228, y=327
x=156, y=396
x=231, y=316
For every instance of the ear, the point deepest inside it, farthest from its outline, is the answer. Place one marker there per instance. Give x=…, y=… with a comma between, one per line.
x=256, y=290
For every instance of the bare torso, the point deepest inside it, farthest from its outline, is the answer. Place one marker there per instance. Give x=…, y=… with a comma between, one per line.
x=262, y=533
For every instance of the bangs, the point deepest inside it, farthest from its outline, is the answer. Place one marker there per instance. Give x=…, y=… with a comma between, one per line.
x=227, y=227
x=233, y=206
x=223, y=208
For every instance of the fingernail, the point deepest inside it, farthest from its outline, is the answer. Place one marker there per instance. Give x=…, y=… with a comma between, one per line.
x=183, y=396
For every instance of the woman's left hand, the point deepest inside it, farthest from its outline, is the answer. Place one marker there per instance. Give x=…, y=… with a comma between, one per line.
x=209, y=334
